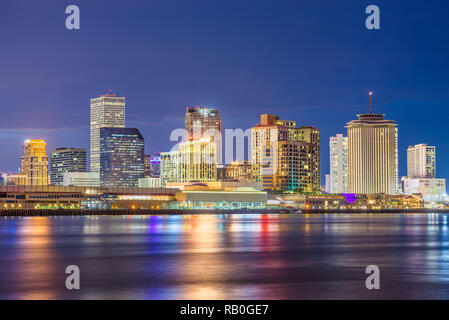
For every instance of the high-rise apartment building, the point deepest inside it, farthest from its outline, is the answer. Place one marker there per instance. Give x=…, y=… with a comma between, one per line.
x=121, y=157
x=338, y=158
x=372, y=155
x=421, y=162
x=285, y=158
x=34, y=164
x=204, y=123
x=105, y=111
x=64, y=160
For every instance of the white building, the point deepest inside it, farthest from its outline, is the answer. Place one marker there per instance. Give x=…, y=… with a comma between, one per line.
x=338, y=177
x=421, y=174
x=421, y=161
x=106, y=111
x=82, y=179
x=150, y=182
x=432, y=190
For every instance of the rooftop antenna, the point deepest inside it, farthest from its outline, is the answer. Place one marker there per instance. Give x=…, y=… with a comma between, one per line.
x=370, y=102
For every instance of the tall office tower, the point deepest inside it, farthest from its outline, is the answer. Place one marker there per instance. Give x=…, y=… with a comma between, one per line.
x=106, y=111
x=169, y=167
x=372, y=155
x=121, y=157
x=421, y=162
x=197, y=161
x=64, y=160
x=204, y=123
x=285, y=158
x=35, y=162
x=147, y=165
x=338, y=177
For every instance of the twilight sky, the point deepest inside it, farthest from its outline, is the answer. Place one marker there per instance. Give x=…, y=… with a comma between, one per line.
x=309, y=61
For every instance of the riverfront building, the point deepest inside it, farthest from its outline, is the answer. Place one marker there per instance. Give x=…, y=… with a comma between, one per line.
x=64, y=160
x=372, y=155
x=82, y=179
x=338, y=177
x=121, y=157
x=106, y=111
x=34, y=164
x=421, y=161
x=421, y=174
x=285, y=158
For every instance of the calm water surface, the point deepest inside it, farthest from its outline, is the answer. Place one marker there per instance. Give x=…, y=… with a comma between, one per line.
x=226, y=256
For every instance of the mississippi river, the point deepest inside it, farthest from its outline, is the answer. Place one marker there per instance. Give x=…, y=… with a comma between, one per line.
x=226, y=256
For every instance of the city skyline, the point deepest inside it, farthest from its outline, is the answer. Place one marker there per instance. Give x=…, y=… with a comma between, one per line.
x=324, y=172
x=319, y=72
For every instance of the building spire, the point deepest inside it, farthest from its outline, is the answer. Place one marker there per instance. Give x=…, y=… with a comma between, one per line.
x=370, y=102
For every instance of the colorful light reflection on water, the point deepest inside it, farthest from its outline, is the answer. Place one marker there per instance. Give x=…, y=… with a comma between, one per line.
x=226, y=256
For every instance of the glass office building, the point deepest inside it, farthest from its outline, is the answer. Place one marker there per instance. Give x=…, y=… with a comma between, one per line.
x=64, y=160
x=121, y=157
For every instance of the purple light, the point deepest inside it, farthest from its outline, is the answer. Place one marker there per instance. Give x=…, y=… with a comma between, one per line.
x=350, y=197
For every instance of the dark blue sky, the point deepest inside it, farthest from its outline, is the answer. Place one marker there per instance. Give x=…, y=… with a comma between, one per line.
x=309, y=61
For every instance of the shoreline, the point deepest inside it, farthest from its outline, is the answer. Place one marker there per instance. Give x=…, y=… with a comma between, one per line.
x=142, y=212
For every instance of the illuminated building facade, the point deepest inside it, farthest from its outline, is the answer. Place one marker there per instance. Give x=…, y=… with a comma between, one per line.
x=285, y=158
x=64, y=160
x=421, y=174
x=34, y=164
x=81, y=179
x=421, y=162
x=147, y=165
x=338, y=177
x=17, y=179
x=197, y=161
x=372, y=155
x=169, y=167
x=204, y=123
x=239, y=171
x=106, y=111
x=121, y=157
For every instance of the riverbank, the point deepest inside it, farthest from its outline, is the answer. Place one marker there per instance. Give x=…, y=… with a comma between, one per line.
x=119, y=212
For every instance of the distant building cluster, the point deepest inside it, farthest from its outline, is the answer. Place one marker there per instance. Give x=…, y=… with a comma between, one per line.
x=285, y=162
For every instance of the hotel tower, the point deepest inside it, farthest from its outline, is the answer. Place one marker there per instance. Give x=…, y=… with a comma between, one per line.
x=35, y=162
x=372, y=155
x=106, y=111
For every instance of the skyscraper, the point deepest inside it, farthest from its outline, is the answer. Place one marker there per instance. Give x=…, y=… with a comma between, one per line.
x=285, y=158
x=121, y=157
x=338, y=177
x=421, y=161
x=372, y=155
x=34, y=164
x=66, y=160
x=106, y=111
x=203, y=123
